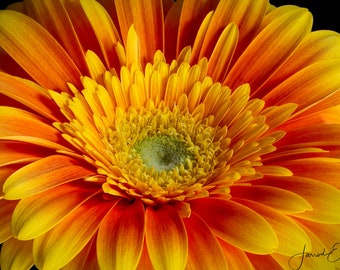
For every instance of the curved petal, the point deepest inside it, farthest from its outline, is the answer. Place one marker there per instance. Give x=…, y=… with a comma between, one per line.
x=264, y=262
x=236, y=258
x=121, y=236
x=321, y=196
x=236, y=224
x=53, y=16
x=270, y=48
x=290, y=235
x=16, y=255
x=150, y=34
x=105, y=31
x=86, y=258
x=36, y=51
x=16, y=153
x=6, y=210
x=221, y=56
x=29, y=94
x=37, y=214
x=16, y=122
x=277, y=198
x=60, y=245
x=246, y=14
x=166, y=238
x=43, y=175
x=317, y=46
x=204, y=249
x=316, y=81
x=192, y=15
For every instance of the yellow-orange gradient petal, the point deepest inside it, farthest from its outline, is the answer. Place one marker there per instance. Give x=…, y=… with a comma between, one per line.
x=43, y=175
x=60, y=245
x=16, y=254
x=6, y=210
x=37, y=214
x=204, y=249
x=120, y=236
x=36, y=51
x=166, y=238
x=237, y=218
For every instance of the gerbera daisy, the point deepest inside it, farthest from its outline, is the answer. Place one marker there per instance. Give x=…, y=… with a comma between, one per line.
x=168, y=135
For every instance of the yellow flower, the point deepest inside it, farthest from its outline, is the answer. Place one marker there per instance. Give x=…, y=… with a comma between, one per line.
x=168, y=135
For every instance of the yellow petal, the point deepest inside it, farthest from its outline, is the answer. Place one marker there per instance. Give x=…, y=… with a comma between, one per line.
x=16, y=255
x=166, y=238
x=29, y=94
x=277, y=198
x=120, y=237
x=270, y=48
x=147, y=17
x=53, y=16
x=316, y=82
x=6, y=210
x=317, y=46
x=290, y=235
x=202, y=241
x=104, y=29
x=236, y=258
x=42, y=175
x=221, y=56
x=228, y=226
x=36, y=51
x=37, y=214
x=17, y=122
x=60, y=245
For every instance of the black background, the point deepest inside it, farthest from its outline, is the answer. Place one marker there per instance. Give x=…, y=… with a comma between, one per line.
x=326, y=13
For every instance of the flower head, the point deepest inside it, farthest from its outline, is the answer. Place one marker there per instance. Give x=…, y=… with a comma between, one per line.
x=167, y=135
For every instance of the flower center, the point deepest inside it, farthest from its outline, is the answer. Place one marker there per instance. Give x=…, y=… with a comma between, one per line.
x=162, y=153
x=168, y=132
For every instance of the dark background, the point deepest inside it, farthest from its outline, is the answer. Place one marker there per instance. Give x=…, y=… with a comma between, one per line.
x=326, y=13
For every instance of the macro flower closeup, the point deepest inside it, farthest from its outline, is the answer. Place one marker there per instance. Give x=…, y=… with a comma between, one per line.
x=153, y=134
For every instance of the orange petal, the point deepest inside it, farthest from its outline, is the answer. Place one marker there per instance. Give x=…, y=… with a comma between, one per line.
x=104, y=29
x=6, y=210
x=264, y=262
x=247, y=15
x=171, y=25
x=121, y=236
x=16, y=153
x=204, y=249
x=290, y=235
x=53, y=16
x=145, y=262
x=317, y=46
x=309, y=82
x=326, y=169
x=236, y=258
x=17, y=122
x=191, y=17
x=270, y=48
x=16, y=255
x=29, y=94
x=324, y=198
x=42, y=175
x=36, y=51
x=147, y=17
x=166, y=238
x=277, y=198
x=225, y=217
x=37, y=214
x=60, y=245
x=222, y=54
x=86, y=258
